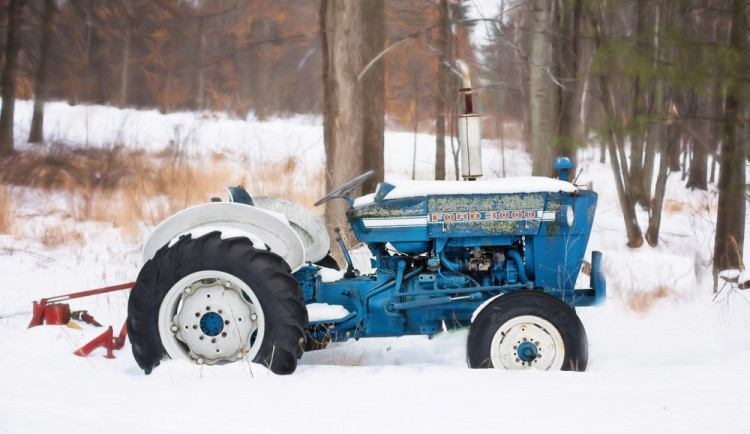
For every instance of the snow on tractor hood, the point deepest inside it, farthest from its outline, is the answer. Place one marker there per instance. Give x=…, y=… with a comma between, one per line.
x=519, y=184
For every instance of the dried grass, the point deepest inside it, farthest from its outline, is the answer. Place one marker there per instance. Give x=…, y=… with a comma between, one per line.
x=5, y=212
x=53, y=237
x=134, y=189
x=673, y=207
x=643, y=302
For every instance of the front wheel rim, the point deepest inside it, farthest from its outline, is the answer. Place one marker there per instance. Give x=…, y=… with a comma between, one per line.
x=211, y=317
x=527, y=342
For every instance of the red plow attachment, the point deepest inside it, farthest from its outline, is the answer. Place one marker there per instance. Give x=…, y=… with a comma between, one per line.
x=50, y=311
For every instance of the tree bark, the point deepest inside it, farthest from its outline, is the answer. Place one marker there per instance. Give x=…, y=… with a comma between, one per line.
x=701, y=135
x=8, y=80
x=704, y=134
x=97, y=60
x=330, y=105
x=637, y=125
x=125, y=71
x=730, y=220
x=673, y=156
x=657, y=205
x=36, y=132
x=200, y=91
x=615, y=145
x=542, y=91
x=371, y=90
x=347, y=126
x=569, y=127
x=441, y=94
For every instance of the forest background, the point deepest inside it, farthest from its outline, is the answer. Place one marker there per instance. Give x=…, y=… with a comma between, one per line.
x=661, y=86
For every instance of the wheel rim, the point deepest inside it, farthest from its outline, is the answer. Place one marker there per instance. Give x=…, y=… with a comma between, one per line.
x=210, y=317
x=526, y=342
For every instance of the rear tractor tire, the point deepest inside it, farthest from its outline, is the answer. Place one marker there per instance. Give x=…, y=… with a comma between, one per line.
x=528, y=330
x=216, y=301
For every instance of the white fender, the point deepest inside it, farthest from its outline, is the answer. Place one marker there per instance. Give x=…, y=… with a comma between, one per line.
x=310, y=228
x=257, y=224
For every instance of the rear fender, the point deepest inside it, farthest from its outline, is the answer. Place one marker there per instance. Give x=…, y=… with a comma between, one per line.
x=232, y=219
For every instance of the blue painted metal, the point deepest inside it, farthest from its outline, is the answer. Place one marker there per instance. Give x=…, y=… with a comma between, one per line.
x=239, y=195
x=454, y=252
x=563, y=164
x=211, y=324
x=527, y=352
x=598, y=282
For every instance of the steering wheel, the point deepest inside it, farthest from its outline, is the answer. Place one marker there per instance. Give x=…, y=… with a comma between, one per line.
x=345, y=191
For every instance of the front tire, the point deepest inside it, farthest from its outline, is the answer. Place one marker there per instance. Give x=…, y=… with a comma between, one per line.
x=528, y=330
x=217, y=301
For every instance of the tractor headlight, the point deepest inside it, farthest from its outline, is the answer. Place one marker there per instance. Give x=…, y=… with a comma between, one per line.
x=566, y=216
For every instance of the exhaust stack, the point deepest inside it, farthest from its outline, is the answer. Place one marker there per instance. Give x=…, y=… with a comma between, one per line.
x=469, y=135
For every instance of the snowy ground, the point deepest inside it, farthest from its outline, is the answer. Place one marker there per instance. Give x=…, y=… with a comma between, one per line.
x=664, y=356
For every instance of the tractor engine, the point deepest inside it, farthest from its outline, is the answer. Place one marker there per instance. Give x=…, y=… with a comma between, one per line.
x=488, y=265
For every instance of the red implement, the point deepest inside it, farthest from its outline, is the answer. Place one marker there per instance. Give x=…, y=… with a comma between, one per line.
x=106, y=340
x=47, y=310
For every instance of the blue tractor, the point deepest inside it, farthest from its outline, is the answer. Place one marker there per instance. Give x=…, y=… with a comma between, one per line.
x=252, y=278
x=238, y=280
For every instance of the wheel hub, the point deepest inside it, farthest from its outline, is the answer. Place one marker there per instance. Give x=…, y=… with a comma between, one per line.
x=527, y=342
x=527, y=352
x=216, y=320
x=212, y=324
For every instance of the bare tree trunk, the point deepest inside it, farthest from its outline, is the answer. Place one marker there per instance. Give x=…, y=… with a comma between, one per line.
x=717, y=108
x=441, y=94
x=97, y=59
x=542, y=90
x=36, y=132
x=371, y=90
x=652, y=144
x=414, y=70
x=671, y=139
x=330, y=104
x=616, y=148
x=637, y=127
x=200, y=92
x=701, y=135
x=346, y=124
x=569, y=128
x=8, y=80
x=655, y=140
x=730, y=220
x=673, y=156
x=125, y=72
